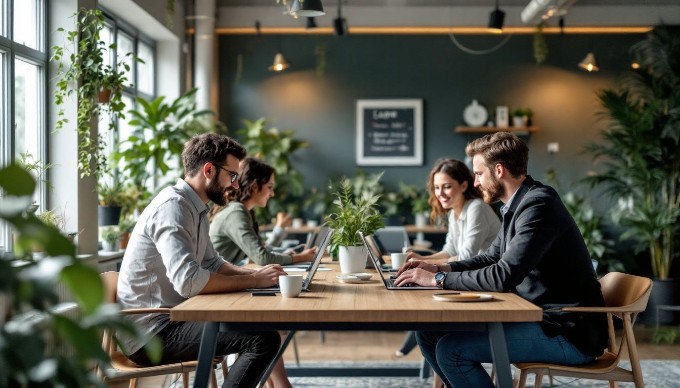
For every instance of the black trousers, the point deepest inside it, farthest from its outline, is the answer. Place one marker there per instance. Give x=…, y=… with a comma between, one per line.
x=256, y=350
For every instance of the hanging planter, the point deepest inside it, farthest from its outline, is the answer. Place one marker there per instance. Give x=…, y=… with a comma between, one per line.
x=104, y=96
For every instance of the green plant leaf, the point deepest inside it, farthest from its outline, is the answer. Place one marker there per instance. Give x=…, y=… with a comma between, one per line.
x=86, y=285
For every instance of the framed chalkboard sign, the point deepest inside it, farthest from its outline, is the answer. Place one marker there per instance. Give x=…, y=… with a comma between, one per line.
x=389, y=132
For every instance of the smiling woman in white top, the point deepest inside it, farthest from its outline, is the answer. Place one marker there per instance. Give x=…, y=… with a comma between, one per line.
x=473, y=224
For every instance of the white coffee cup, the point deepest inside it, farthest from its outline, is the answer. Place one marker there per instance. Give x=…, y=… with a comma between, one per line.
x=398, y=259
x=290, y=285
x=312, y=223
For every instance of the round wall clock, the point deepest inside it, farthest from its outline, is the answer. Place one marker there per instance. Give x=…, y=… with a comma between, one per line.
x=475, y=115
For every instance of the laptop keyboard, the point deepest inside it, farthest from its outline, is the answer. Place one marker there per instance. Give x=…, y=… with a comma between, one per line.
x=390, y=282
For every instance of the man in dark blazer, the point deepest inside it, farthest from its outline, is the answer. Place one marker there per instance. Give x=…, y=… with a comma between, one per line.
x=539, y=254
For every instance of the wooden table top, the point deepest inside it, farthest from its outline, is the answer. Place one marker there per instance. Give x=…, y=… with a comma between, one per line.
x=333, y=301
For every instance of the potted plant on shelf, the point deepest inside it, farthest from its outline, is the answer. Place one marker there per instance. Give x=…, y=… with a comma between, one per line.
x=33, y=334
x=641, y=169
x=83, y=72
x=521, y=117
x=350, y=215
x=110, y=237
x=110, y=203
x=125, y=226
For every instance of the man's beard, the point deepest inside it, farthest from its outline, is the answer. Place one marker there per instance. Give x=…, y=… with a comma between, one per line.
x=493, y=192
x=216, y=193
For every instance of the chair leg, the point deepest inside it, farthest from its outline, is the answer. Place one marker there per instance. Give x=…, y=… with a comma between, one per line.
x=539, y=379
x=185, y=379
x=213, y=379
x=133, y=383
x=522, y=379
x=322, y=336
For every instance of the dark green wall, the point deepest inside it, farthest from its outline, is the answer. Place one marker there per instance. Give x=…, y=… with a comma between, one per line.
x=322, y=109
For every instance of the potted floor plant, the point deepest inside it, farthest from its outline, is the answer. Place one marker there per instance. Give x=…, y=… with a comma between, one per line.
x=641, y=169
x=350, y=215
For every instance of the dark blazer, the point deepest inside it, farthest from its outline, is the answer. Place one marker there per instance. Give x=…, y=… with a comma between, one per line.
x=540, y=255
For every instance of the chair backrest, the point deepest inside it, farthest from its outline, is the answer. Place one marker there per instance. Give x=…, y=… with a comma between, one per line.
x=110, y=280
x=392, y=238
x=626, y=292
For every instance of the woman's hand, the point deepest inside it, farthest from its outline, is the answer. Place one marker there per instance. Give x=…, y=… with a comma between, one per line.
x=412, y=264
x=283, y=219
x=418, y=276
x=415, y=256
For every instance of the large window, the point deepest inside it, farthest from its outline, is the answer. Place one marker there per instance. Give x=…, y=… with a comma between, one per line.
x=141, y=76
x=23, y=61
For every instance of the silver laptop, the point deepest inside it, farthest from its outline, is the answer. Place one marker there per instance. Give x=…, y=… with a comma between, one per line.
x=374, y=255
x=325, y=240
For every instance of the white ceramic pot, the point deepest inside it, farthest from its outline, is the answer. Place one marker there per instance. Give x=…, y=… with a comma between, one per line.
x=421, y=219
x=352, y=259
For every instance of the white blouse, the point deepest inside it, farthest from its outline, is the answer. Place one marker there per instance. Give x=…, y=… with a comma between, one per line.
x=475, y=230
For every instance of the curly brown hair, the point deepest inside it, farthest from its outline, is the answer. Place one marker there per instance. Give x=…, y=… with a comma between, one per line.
x=458, y=171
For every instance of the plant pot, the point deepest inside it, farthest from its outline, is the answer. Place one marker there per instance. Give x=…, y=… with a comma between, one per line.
x=519, y=121
x=124, y=240
x=664, y=292
x=110, y=246
x=352, y=259
x=421, y=219
x=109, y=215
x=104, y=96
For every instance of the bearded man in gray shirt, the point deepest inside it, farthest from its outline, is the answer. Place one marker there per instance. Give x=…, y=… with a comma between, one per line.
x=170, y=258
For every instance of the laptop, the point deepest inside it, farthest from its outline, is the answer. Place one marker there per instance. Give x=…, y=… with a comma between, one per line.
x=374, y=242
x=312, y=269
x=374, y=255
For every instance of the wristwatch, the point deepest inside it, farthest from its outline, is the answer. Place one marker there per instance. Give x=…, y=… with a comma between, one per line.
x=439, y=278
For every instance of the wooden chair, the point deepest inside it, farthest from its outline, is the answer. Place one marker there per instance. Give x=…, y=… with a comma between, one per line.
x=121, y=368
x=624, y=296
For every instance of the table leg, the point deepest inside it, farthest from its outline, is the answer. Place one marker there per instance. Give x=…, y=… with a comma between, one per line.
x=499, y=354
x=206, y=354
x=282, y=349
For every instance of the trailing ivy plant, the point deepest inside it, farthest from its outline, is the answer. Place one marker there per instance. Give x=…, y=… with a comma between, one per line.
x=82, y=73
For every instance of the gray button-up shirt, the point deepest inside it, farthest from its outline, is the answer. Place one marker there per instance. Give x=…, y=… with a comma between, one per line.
x=169, y=257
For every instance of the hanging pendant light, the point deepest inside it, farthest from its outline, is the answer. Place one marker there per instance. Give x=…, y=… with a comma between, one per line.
x=496, y=18
x=588, y=63
x=308, y=8
x=280, y=63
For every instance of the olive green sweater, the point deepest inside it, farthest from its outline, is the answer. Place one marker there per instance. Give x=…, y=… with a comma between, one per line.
x=233, y=235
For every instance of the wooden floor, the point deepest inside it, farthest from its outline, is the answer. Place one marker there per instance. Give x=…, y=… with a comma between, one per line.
x=380, y=346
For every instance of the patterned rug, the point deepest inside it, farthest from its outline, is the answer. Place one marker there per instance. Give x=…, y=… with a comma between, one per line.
x=657, y=374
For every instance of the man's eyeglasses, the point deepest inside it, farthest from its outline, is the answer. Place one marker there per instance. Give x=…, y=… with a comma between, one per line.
x=234, y=175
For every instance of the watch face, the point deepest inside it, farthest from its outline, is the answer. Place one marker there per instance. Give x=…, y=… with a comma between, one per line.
x=439, y=277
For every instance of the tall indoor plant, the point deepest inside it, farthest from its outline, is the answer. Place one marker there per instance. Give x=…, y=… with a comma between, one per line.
x=83, y=71
x=641, y=168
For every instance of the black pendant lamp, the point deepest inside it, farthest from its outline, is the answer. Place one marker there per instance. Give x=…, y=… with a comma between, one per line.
x=496, y=18
x=307, y=8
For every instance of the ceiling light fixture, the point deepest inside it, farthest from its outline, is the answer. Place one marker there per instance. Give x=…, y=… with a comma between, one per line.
x=539, y=10
x=496, y=20
x=280, y=63
x=340, y=24
x=588, y=63
x=307, y=8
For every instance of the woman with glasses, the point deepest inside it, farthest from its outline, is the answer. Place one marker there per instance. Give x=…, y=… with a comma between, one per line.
x=234, y=231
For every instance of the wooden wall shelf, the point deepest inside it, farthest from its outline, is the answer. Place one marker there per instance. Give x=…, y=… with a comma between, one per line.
x=517, y=130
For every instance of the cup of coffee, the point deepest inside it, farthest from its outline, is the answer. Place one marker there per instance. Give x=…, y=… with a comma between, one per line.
x=398, y=259
x=290, y=285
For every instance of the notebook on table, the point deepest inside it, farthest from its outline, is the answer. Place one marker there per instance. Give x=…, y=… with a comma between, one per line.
x=326, y=239
x=374, y=256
